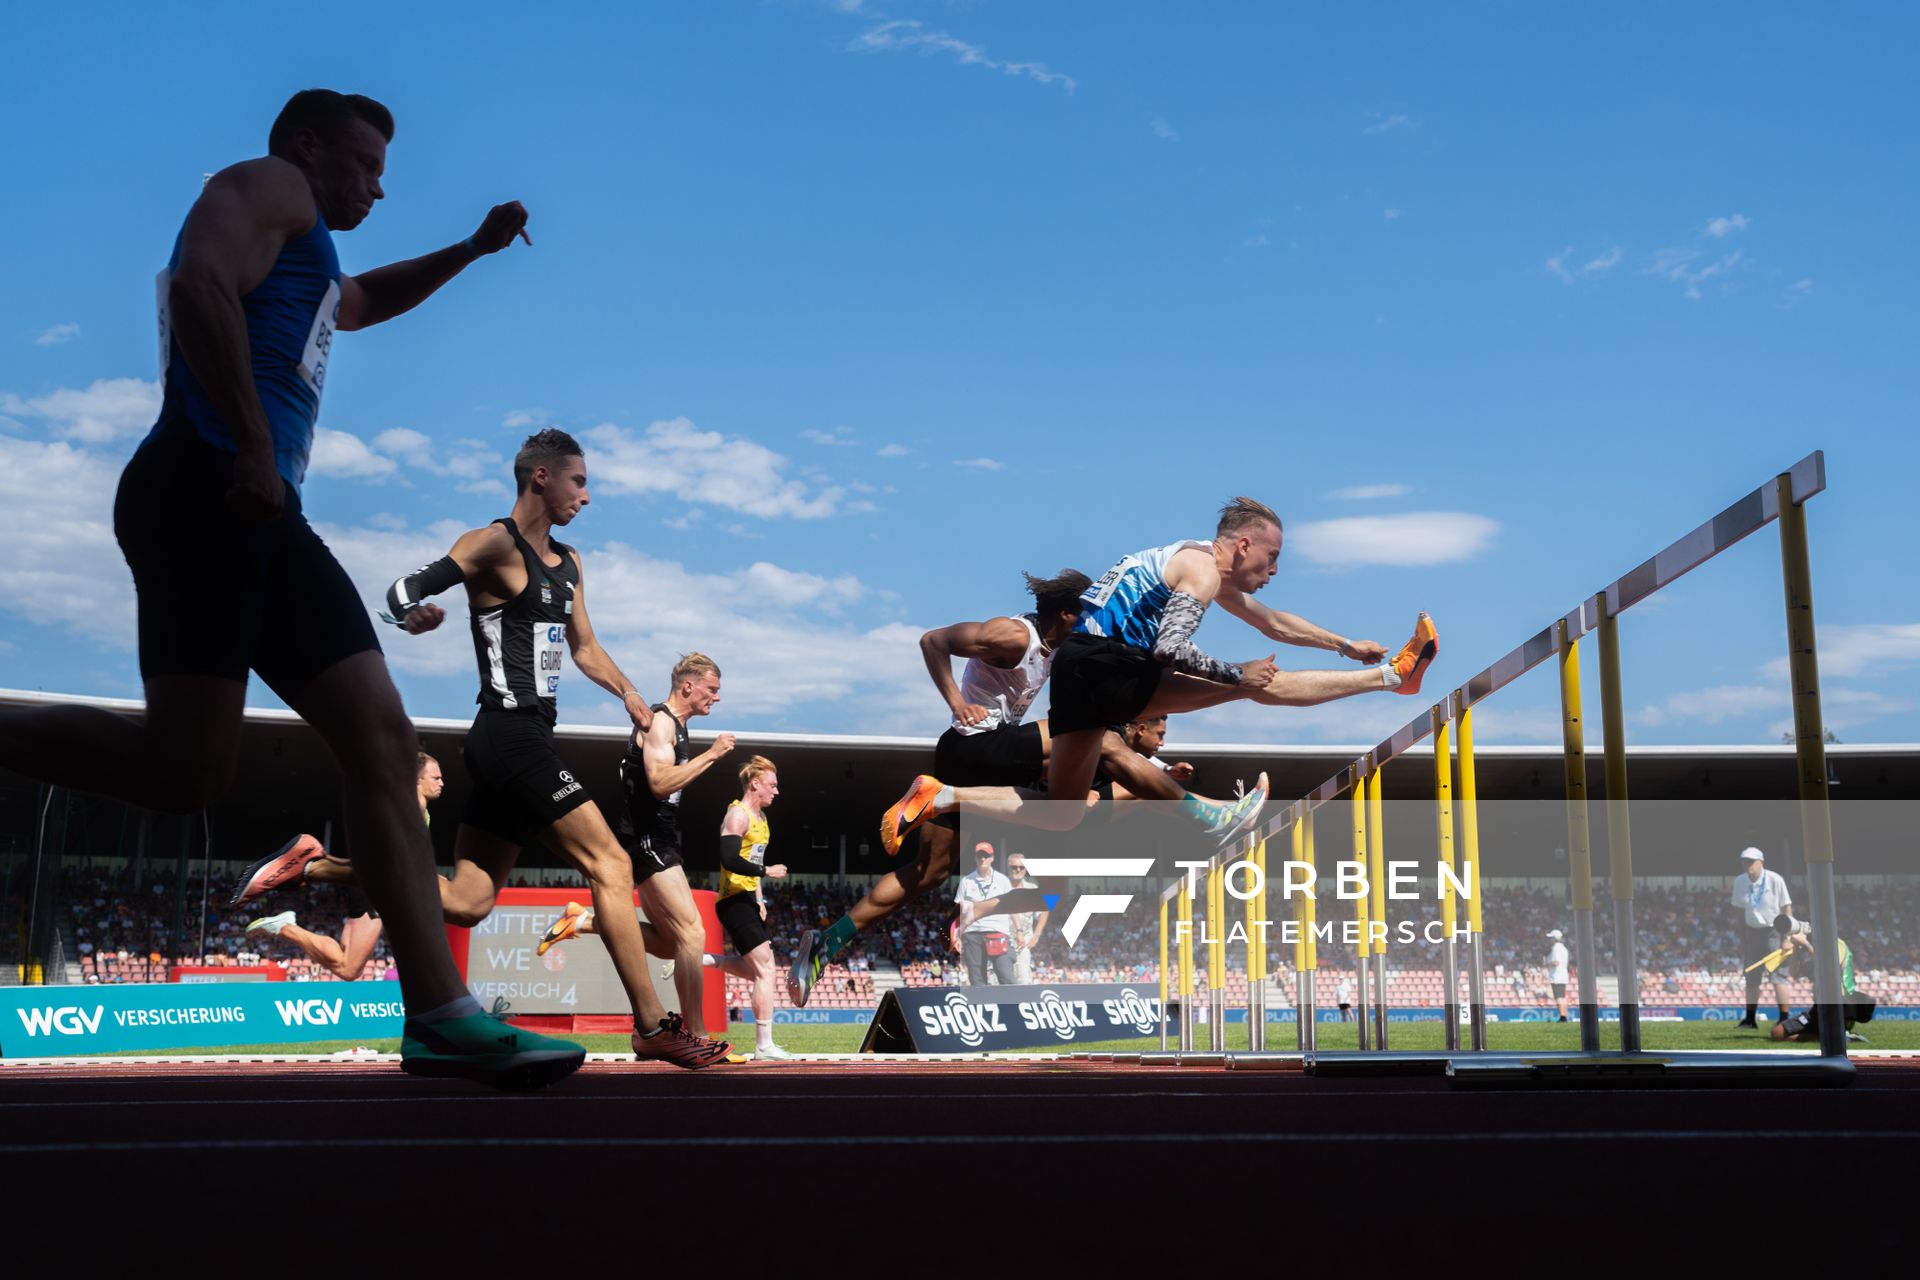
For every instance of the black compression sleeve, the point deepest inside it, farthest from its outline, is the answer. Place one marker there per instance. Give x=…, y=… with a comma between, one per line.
x=406, y=594
x=730, y=859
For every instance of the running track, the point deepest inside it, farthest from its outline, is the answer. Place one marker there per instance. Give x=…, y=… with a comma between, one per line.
x=318, y=1163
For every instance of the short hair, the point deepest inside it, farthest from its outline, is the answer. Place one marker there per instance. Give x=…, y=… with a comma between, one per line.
x=420, y=765
x=753, y=770
x=543, y=449
x=1058, y=594
x=691, y=667
x=328, y=114
x=1243, y=513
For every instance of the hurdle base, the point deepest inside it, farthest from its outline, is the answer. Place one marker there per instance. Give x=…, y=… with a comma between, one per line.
x=1346, y=1063
x=1626, y=1070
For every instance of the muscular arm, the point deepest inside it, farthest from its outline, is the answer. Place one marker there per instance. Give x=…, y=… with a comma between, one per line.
x=733, y=832
x=1289, y=628
x=664, y=777
x=1000, y=641
x=477, y=559
x=593, y=661
x=385, y=292
x=1174, y=644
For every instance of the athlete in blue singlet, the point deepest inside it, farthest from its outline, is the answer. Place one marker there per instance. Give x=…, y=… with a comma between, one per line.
x=1133, y=657
x=230, y=576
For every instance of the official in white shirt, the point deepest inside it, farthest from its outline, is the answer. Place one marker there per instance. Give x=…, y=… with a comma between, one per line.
x=1557, y=971
x=1759, y=896
x=988, y=941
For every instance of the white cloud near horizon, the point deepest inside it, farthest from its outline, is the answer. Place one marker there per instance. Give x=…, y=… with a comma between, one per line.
x=57, y=335
x=1413, y=538
x=838, y=438
x=106, y=410
x=980, y=464
x=1557, y=267
x=908, y=35
x=677, y=459
x=1720, y=228
x=1367, y=492
x=1677, y=266
x=1860, y=649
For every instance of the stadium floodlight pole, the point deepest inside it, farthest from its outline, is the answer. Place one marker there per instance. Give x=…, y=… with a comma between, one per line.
x=1185, y=890
x=1357, y=797
x=1579, y=855
x=1309, y=976
x=1163, y=973
x=1810, y=756
x=1443, y=831
x=1377, y=892
x=1619, y=838
x=1257, y=957
x=1216, y=954
x=1470, y=858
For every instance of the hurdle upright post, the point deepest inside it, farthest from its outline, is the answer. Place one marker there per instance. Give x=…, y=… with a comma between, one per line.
x=1309, y=974
x=1579, y=854
x=1186, y=891
x=1362, y=1009
x=1163, y=973
x=1443, y=829
x=1216, y=928
x=1619, y=842
x=1470, y=859
x=1297, y=835
x=1257, y=956
x=1810, y=757
x=1377, y=893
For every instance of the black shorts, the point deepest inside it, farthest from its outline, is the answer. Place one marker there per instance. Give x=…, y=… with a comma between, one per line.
x=218, y=597
x=358, y=903
x=520, y=788
x=740, y=917
x=1100, y=683
x=651, y=857
x=1011, y=756
x=1859, y=1008
x=1559, y=989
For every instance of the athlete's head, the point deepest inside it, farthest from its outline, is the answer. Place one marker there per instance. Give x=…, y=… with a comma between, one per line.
x=1247, y=544
x=553, y=466
x=427, y=778
x=339, y=140
x=1146, y=737
x=696, y=682
x=1057, y=599
x=759, y=784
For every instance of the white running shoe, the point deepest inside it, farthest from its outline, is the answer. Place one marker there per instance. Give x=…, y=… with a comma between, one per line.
x=772, y=1053
x=272, y=924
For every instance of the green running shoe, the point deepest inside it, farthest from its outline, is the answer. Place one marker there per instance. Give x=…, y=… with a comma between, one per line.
x=480, y=1047
x=807, y=968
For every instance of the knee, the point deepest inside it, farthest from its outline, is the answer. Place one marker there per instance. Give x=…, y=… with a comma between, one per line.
x=189, y=782
x=467, y=909
x=609, y=869
x=342, y=972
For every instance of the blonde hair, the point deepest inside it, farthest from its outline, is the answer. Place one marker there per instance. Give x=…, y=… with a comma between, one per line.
x=753, y=770
x=691, y=667
x=1242, y=513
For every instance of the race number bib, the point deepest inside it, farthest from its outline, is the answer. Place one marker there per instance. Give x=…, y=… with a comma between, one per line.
x=549, y=655
x=1102, y=591
x=319, y=348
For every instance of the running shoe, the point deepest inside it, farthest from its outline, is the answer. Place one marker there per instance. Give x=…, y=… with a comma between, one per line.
x=1238, y=816
x=808, y=965
x=1411, y=663
x=908, y=813
x=772, y=1053
x=738, y=1059
x=565, y=927
x=271, y=924
x=674, y=1043
x=480, y=1047
x=283, y=866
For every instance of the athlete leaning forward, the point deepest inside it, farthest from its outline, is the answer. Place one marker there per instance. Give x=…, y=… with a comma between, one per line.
x=526, y=595
x=1132, y=657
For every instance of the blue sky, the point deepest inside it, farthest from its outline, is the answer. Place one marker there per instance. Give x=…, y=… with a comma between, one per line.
x=862, y=309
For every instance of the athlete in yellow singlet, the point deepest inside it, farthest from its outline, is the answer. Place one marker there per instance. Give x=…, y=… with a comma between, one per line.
x=744, y=837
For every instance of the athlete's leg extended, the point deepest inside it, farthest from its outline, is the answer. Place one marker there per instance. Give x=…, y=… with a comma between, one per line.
x=355, y=708
x=346, y=959
x=583, y=838
x=482, y=862
x=674, y=931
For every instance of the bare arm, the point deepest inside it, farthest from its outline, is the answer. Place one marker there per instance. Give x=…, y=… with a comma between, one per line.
x=593, y=661
x=478, y=556
x=1001, y=641
x=395, y=289
x=665, y=777
x=233, y=234
x=1289, y=628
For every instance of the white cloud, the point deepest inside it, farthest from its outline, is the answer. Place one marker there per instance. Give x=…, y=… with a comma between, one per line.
x=893, y=451
x=1367, y=492
x=1713, y=705
x=524, y=419
x=1844, y=709
x=908, y=35
x=1258, y=240
x=1677, y=266
x=1719, y=228
x=676, y=458
x=1605, y=262
x=1414, y=538
x=1796, y=293
x=1387, y=123
x=63, y=566
x=474, y=462
x=1164, y=131
x=1557, y=265
x=57, y=335
x=980, y=464
x=1391, y=214
x=1861, y=650
x=341, y=455
x=839, y=437
x=108, y=409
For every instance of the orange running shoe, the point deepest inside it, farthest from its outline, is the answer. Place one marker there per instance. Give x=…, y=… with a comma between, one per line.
x=909, y=812
x=565, y=927
x=674, y=1043
x=282, y=867
x=1416, y=655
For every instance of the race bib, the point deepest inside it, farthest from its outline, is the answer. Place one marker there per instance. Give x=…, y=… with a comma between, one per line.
x=162, y=287
x=549, y=655
x=1102, y=591
x=319, y=348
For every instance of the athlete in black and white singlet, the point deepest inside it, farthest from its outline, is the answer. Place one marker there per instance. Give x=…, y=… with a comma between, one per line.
x=652, y=824
x=1006, y=692
x=521, y=645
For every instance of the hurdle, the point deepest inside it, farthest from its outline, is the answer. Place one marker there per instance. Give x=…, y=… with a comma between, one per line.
x=1449, y=725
